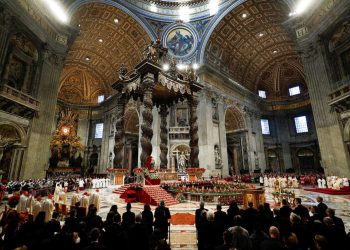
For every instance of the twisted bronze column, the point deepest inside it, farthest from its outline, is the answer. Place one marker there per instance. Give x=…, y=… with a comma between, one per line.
x=147, y=118
x=119, y=136
x=163, y=112
x=192, y=104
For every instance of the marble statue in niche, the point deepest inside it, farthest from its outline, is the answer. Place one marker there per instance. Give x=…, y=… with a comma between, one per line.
x=20, y=66
x=182, y=162
x=217, y=154
x=215, y=113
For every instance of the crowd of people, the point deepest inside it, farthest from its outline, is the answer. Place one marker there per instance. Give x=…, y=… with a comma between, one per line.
x=86, y=231
x=266, y=229
x=46, y=186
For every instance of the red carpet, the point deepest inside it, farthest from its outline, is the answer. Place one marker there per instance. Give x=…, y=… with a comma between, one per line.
x=182, y=219
x=147, y=194
x=342, y=191
x=121, y=189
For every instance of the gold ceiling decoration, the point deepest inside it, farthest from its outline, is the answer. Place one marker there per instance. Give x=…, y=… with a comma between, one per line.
x=108, y=37
x=251, y=45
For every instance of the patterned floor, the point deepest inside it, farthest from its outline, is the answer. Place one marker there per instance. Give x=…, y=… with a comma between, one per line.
x=184, y=236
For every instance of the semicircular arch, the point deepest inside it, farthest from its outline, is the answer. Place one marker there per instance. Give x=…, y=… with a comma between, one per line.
x=234, y=120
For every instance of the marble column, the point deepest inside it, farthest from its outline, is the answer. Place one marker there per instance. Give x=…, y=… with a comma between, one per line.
x=192, y=104
x=334, y=155
x=147, y=118
x=42, y=126
x=119, y=136
x=104, y=157
x=222, y=139
x=16, y=163
x=5, y=23
x=163, y=112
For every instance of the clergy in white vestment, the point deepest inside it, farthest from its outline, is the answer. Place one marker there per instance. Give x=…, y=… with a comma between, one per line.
x=319, y=183
x=56, y=194
x=36, y=207
x=48, y=207
x=63, y=196
x=75, y=198
x=323, y=183
x=29, y=203
x=21, y=207
x=95, y=199
x=84, y=202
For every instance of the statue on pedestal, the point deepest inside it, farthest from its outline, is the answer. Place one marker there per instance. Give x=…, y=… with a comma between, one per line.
x=181, y=166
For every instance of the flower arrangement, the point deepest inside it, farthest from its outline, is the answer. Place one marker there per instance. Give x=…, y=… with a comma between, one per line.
x=138, y=171
x=153, y=175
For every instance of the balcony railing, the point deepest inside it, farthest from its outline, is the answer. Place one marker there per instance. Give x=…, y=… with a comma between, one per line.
x=19, y=97
x=179, y=133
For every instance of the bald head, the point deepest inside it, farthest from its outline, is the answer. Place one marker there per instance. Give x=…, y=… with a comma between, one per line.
x=274, y=232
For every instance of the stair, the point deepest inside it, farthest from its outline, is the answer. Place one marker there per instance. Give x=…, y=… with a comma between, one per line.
x=154, y=194
x=121, y=189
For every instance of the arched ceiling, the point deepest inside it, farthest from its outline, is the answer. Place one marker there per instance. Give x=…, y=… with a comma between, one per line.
x=108, y=37
x=251, y=45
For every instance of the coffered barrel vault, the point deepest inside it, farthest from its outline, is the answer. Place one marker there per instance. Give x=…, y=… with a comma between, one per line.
x=108, y=37
x=251, y=45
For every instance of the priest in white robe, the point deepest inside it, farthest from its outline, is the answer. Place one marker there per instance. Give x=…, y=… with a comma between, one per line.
x=95, y=199
x=48, y=208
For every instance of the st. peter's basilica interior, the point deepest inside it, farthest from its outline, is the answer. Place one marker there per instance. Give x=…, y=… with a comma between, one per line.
x=194, y=98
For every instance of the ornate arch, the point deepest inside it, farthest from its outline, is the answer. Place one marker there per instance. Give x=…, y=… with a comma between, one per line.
x=234, y=119
x=131, y=120
x=110, y=35
x=12, y=133
x=243, y=47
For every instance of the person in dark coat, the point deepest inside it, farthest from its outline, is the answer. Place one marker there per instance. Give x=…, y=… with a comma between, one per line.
x=162, y=216
x=93, y=220
x=128, y=216
x=198, y=214
x=139, y=230
x=322, y=208
x=273, y=243
x=285, y=210
x=95, y=245
x=338, y=222
x=302, y=211
x=227, y=237
x=53, y=226
x=147, y=219
x=220, y=219
x=232, y=211
x=249, y=217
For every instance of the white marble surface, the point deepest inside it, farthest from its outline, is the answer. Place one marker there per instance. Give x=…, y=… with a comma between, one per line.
x=341, y=204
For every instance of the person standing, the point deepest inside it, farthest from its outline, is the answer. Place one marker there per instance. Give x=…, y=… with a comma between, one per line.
x=322, y=208
x=147, y=219
x=198, y=213
x=128, y=216
x=162, y=216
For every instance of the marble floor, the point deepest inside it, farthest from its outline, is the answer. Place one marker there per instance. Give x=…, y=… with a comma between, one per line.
x=184, y=236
